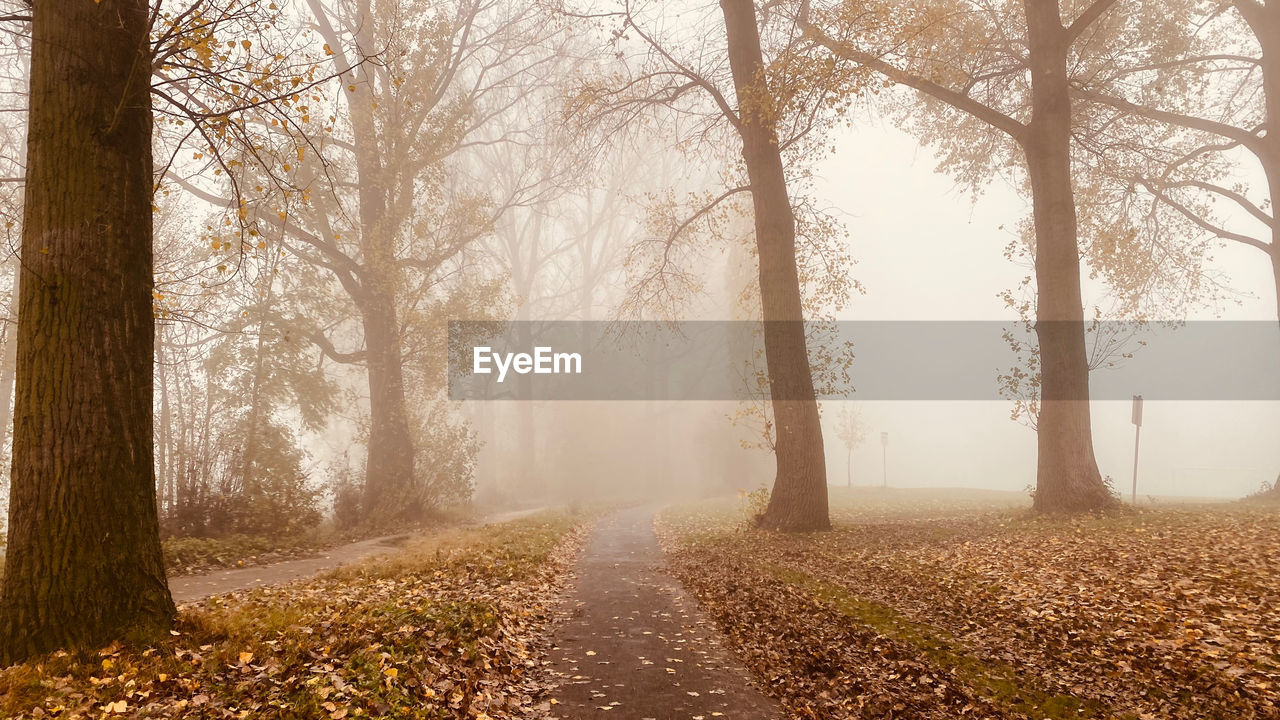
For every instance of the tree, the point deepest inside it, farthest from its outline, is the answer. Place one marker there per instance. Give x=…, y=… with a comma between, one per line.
x=1201, y=91
x=237, y=380
x=84, y=564
x=1016, y=84
x=415, y=95
x=763, y=148
x=852, y=433
x=799, y=498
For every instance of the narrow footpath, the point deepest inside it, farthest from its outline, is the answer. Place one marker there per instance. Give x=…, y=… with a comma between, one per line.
x=634, y=645
x=189, y=588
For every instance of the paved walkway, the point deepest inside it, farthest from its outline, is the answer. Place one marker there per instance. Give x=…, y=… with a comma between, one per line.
x=190, y=588
x=198, y=587
x=635, y=646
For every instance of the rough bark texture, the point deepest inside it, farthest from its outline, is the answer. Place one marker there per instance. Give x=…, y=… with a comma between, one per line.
x=1067, y=477
x=84, y=565
x=799, y=498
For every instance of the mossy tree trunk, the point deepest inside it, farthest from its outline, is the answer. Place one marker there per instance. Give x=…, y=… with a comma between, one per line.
x=799, y=498
x=84, y=566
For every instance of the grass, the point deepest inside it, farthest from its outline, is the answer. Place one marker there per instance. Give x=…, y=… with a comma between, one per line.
x=994, y=680
x=185, y=555
x=443, y=628
x=1166, y=610
x=189, y=555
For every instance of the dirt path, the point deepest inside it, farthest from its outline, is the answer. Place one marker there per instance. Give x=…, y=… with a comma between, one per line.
x=198, y=587
x=635, y=646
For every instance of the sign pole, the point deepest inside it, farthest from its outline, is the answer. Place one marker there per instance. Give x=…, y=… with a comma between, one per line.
x=1137, y=438
x=884, y=456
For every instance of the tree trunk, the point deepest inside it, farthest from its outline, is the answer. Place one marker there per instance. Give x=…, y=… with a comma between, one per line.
x=530, y=480
x=164, y=457
x=1067, y=477
x=1275, y=266
x=389, y=467
x=389, y=470
x=1266, y=26
x=799, y=498
x=84, y=565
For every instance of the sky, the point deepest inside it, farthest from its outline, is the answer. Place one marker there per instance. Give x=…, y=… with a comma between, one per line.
x=926, y=251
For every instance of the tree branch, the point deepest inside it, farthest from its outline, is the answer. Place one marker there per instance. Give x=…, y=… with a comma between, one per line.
x=1087, y=18
x=1201, y=222
x=1227, y=193
x=958, y=100
x=326, y=346
x=1231, y=132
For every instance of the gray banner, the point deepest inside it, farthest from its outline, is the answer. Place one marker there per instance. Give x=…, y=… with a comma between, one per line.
x=909, y=360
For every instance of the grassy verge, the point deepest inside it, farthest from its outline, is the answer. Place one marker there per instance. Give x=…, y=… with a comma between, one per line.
x=998, y=682
x=448, y=627
x=191, y=555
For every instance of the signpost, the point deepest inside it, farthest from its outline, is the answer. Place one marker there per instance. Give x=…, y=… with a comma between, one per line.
x=1137, y=437
x=884, y=456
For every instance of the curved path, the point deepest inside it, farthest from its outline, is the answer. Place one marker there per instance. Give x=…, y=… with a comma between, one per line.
x=635, y=646
x=189, y=588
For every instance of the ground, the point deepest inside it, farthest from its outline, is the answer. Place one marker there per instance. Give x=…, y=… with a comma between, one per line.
x=452, y=625
x=930, y=605
x=919, y=604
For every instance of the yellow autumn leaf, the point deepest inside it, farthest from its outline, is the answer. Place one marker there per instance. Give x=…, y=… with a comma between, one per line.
x=245, y=657
x=391, y=672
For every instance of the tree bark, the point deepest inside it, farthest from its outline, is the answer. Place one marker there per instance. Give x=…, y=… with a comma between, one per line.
x=84, y=565
x=389, y=467
x=1067, y=477
x=799, y=498
x=1266, y=25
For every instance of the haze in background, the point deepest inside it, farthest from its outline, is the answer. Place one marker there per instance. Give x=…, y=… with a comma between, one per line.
x=906, y=221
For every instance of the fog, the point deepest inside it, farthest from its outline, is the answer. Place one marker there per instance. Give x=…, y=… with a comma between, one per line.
x=510, y=164
x=925, y=250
